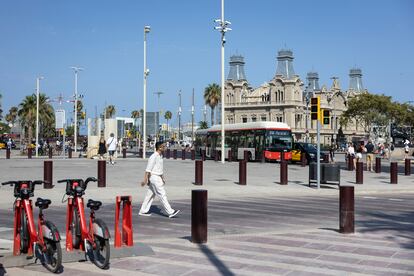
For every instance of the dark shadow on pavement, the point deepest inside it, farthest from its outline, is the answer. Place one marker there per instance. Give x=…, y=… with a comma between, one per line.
x=224, y=270
x=398, y=225
x=2, y=270
x=330, y=229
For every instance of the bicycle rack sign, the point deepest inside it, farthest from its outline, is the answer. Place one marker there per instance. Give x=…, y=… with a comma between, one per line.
x=127, y=234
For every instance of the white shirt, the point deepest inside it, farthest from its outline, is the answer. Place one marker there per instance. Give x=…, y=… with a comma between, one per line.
x=155, y=164
x=351, y=150
x=111, y=144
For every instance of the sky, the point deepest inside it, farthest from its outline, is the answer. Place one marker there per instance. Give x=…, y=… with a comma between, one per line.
x=47, y=37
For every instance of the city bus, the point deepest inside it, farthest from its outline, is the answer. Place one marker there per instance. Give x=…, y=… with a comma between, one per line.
x=257, y=138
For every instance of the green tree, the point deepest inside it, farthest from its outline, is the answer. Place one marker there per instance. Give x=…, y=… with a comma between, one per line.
x=168, y=116
x=203, y=124
x=4, y=128
x=110, y=111
x=1, y=109
x=212, y=97
x=135, y=114
x=69, y=131
x=11, y=117
x=27, y=115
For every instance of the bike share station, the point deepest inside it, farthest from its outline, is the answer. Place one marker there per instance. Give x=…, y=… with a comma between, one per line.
x=82, y=238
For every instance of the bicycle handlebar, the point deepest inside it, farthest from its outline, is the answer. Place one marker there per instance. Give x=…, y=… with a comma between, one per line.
x=17, y=187
x=82, y=183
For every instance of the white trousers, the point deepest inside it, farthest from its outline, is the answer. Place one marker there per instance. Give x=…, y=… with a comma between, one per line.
x=156, y=188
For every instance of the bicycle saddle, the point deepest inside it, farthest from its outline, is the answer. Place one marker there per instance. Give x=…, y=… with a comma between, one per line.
x=94, y=204
x=42, y=203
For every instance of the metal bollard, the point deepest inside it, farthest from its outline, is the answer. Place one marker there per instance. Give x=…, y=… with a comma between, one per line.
x=29, y=153
x=101, y=173
x=325, y=158
x=242, y=172
x=7, y=153
x=359, y=173
x=168, y=154
x=124, y=153
x=229, y=156
x=175, y=154
x=216, y=156
x=50, y=152
x=203, y=155
x=70, y=153
x=246, y=156
x=407, y=166
x=303, y=159
x=346, y=209
x=192, y=154
x=263, y=159
x=199, y=216
x=140, y=153
x=378, y=164
x=283, y=172
x=394, y=172
x=48, y=174
x=198, y=172
x=282, y=156
x=350, y=163
x=182, y=154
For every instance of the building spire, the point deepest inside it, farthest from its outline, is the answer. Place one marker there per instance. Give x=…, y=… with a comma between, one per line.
x=236, y=72
x=285, y=64
x=355, y=80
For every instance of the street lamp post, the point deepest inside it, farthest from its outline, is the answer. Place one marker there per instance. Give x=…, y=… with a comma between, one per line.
x=37, y=114
x=146, y=73
x=76, y=70
x=222, y=28
x=157, y=133
x=179, y=117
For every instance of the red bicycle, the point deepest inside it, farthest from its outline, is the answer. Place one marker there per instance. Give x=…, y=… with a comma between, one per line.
x=95, y=237
x=45, y=242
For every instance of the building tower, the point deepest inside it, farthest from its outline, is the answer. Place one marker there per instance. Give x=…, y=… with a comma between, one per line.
x=236, y=72
x=355, y=80
x=313, y=81
x=285, y=64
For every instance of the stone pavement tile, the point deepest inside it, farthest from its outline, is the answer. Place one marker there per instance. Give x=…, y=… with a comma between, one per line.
x=319, y=246
x=267, y=270
x=166, y=269
x=342, y=248
x=404, y=255
x=374, y=252
x=305, y=273
x=374, y=263
x=275, y=241
x=403, y=266
x=338, y=259
x=204, y=272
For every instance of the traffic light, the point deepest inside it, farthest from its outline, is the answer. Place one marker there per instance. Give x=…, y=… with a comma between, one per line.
x=326, y=117
x=315, y=108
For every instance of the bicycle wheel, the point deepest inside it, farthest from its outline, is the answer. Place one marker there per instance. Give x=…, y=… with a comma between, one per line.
x=52, y=257
x=75, y=229
x=24, y=235
x=101, y=253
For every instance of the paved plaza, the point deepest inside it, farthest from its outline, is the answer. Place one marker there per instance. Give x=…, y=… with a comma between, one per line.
x=263, y=228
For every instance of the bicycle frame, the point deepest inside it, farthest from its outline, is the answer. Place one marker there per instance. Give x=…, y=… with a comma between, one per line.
x=86, y=232
x=34, y=237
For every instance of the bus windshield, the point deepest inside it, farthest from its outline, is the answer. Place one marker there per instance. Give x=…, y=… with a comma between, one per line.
x=278, y=140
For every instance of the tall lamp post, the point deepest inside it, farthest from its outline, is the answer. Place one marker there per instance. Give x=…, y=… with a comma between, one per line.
x=157, y=133
x=147, y=29
x=37, y=114
x=222, y=28
x=76, y=70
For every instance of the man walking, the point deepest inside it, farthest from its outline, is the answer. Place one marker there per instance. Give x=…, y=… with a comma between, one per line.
x=154, y=178
x=111, y=144
x=370, y=155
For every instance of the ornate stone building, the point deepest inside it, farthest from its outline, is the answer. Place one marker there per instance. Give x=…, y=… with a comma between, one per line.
x=285, y=98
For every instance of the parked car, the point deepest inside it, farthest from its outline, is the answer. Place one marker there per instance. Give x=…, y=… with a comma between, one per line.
x=309, y=150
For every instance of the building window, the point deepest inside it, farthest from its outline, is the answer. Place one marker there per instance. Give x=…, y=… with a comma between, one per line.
x=244, y=120
x=263, y=118
x=254, y=119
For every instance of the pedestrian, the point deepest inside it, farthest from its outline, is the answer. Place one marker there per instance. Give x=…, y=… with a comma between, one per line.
x=369, y=147
x=111, y=144
x=154, y=178
x=102, y=148
x=406, y=148
x=351, y=153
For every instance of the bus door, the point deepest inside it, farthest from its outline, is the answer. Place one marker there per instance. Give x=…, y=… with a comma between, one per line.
x=259, y=143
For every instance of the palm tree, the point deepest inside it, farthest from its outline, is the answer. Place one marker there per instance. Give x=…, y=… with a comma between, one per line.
x=110, y=111
x=1, y=110
x=168, y=116
x=212, y=97
x=12, y=115
x=203, y=124
x=135, y=114
x=27, y=115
